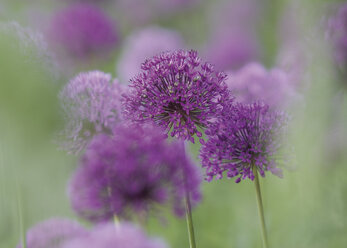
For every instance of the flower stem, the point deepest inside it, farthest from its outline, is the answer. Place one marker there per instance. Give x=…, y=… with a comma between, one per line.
x=260, y=208
x=188, y=206
x=190, y=223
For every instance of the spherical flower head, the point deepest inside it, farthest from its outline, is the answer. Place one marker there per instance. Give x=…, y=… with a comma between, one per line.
x=178, y=92
x=133, y=172
x=53, y=233
x=144, y=44
x=255, y=83
x=124, y=235
x=246, y=137
x=91, y=103
x=82, y=30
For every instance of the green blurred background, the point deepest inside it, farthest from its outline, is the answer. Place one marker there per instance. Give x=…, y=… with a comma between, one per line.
x=307, y=208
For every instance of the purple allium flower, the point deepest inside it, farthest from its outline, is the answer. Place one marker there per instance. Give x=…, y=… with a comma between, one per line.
x=245, y=136
x=53, y=233
x=144, y=44
x=92, y=105
x=337, y=32
x=82, y=30
x=178, y=92
x=125, y=235
x=135, y=171
x=233, y=41
x=253, y=83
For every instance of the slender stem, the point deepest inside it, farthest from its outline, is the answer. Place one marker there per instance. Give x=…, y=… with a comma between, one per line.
x=189, y=216
x=20, y=215
x=190, y=225
x=260, y=208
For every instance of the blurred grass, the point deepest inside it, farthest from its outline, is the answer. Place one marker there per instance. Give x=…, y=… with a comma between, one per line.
x=305, y=209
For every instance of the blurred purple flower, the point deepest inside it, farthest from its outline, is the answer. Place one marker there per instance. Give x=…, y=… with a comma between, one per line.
x=144, y=44
x=53, y=233
x=178, y=92
x=135, y=171
x=145, y=11
x=244, y=137
x=233, y=40
x=254, y=83
x=123, y=236
x=82, y=31
x=91, y=103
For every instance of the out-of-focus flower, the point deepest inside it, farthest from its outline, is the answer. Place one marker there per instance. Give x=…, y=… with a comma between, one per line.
x=32, y=44
x=91, y=103
x=337, y=33
x=178, y=92
x=125, y=235
x=82, y=31
x=144, y=44
x=245, y=137
x=233, y=40
x=53, y=233
x=253, y=83
x=144, y=11
x=133, y=172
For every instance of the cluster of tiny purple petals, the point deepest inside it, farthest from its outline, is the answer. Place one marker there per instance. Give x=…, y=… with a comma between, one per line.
x=53, y=233
x=82, y=30
x=246, y=137
x=178, y=92
x=254, y=83
x=91, y=102
x=135, y=171
x=124, y=235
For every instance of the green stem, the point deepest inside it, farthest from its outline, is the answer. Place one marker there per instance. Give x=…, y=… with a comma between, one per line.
x=260, y=208
x=190, y=223
x=20, y=215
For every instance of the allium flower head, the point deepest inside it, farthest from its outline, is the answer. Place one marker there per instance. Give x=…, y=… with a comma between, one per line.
x=246, y=136
x=255, y=83
x=123, y=236
x=178, y=92
x=82, y=30
x=143, y=44
x=135, y=171
x=53, y=233
x=92, y=105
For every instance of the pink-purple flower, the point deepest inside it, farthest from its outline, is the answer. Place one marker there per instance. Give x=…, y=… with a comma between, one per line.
x=91, y=102
x=124, y=235
x=134, y=172
x=177, y=92
x=245, y=137
x=82, y=31
x=53, y=233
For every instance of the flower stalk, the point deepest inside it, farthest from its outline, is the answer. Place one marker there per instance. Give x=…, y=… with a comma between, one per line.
x=260, y=208
x=190, y=225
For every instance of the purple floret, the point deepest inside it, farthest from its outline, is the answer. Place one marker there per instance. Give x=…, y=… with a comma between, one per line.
x=246, y=136
x=53, y=233
x=178, y=92
x=82, y=30
x=124, y=235
x=134, y=172
x=91, y=102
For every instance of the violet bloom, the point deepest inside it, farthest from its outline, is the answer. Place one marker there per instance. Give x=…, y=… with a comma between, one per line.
x=125, y=235
x=337, y=32
x=255, y=83
x=92, y=105
x=53, y=233
x=178, y=92
x=144, y=44
x=133, y=172
x=233, y=41
x=82, y=30
x=245, y=137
